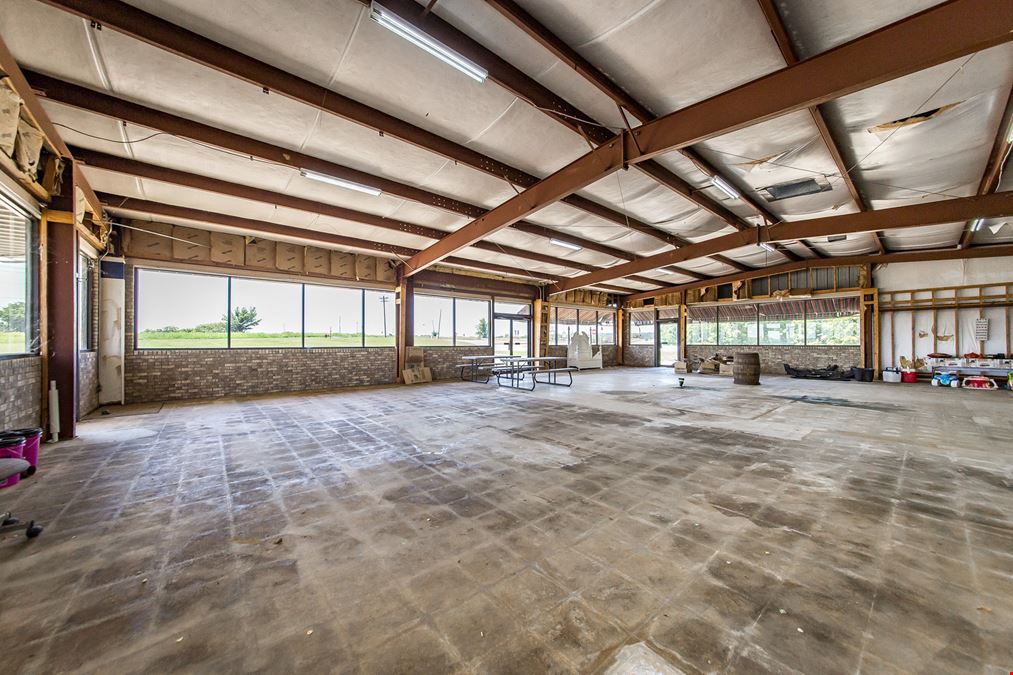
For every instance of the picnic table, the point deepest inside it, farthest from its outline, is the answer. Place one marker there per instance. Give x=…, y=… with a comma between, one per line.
x=517, y=372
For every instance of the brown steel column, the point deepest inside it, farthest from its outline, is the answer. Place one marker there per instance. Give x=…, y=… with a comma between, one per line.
x=61, y=305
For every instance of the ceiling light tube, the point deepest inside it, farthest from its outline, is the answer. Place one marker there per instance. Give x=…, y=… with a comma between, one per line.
x=565, y=244
x=340, y=182
x=726, y=187
x=767, y=247
x=406, y=30
x=976, y=224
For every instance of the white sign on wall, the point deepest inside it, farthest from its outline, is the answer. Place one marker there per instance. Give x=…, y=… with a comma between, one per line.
x=981, y=329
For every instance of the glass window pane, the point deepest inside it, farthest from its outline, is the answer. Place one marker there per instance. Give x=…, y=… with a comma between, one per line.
x=16, y=312
x=642, y=327
x=266, y=313
x=737, y=325
x=84, y=302
x=513, y=307
x=553, y=326
x=175, y=310
x=701, y=325
x=380, y=322
x=434, y=316
x=472, y=318
x=782, y=323
x=833, y=321
x=333, y=317
x=566, y=318
x=606, y=328
x=587, y=323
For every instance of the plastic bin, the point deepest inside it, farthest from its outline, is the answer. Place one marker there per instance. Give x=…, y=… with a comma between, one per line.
x=909, y=376
x=12, y=446
x=891, y=376
x=33, y=437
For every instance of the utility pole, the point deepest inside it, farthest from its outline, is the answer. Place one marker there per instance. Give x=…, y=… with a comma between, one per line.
x=383, y=303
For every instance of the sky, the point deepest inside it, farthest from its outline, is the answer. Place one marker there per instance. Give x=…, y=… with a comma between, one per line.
x=188, y=300
x=12, y=281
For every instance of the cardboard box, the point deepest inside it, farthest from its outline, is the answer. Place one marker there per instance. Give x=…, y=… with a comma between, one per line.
x=726, y=369
x=681, y=367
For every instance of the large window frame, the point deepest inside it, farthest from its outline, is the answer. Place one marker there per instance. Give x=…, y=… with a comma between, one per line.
x=584, y=318
x=454, y=332
x=230, y=306
x=30, y=323
x=806, y=330
x=85, y=302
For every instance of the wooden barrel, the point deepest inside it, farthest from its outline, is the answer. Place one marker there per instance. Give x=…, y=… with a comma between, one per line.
x=746, y=368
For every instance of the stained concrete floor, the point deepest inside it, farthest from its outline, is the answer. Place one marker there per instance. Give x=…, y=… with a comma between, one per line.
x=793, y=527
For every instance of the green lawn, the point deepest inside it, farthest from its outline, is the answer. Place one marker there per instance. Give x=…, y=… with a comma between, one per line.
x=192, y=340
x=12, y=342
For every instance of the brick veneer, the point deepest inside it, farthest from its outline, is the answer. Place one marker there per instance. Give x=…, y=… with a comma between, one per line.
x=87, y=385
x=21, y=387
x=638, y=355
x=180, y=374
x=773, y=358
x=441, y=360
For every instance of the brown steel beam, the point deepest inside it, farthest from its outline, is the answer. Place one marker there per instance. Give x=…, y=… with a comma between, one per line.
x=103, y=104
x=993, y=167
x=938, y=34
x=135, y=168
x=460, y=282
x=527, y=89
x=917, y=215
x=530, y=25
x=780, y=34
x=10, y=68
x=160, y=33
x=121, y=202
x=840, y=261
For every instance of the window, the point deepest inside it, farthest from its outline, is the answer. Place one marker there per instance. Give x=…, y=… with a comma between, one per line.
x=737, y=325
x=471, y=322
x=17, y=274
x=265, y=313
x=701, y=325
x=566, y=325
x=606, y=328
x=782, y=323
x=380, y=323
x=179, y=310
x=442, y=321
x=333, y=316
x=85, y=287
x=174, y=310
x=515, y=308
x=642, y=327
x=833, y=321
x=587, y=323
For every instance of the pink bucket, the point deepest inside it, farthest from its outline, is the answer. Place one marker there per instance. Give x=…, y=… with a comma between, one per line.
x=33, y=437
x=11, y=447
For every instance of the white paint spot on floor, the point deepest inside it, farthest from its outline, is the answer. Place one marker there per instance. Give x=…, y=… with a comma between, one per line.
x=639, y=659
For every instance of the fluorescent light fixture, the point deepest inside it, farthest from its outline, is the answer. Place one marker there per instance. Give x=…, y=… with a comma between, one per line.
x=767, y=247
x=1009, y=134
x=976, y=224
x=726, y=187
x=404, y=29
x=565, y=244
x=340, y=182
x=837, y=237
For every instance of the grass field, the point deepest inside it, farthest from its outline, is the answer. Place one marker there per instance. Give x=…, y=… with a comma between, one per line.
x=12, y=342
x=190, y=340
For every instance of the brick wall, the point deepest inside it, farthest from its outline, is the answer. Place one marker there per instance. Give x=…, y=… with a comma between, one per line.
x=87, y=385
x=638, y=355
x=441, y=360
x=181, y=374
x=20, y=392
x=773, y=358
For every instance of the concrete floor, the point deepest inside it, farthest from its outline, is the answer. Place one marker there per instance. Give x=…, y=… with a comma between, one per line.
x=799, y=526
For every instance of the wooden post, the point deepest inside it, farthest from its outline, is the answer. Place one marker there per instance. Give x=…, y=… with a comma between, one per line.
x=536, y=328
x=402, y=300
x=42, y=266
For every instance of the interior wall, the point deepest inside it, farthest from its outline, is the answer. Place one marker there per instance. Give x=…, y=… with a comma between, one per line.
x=945, y=331
x=182, y=374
